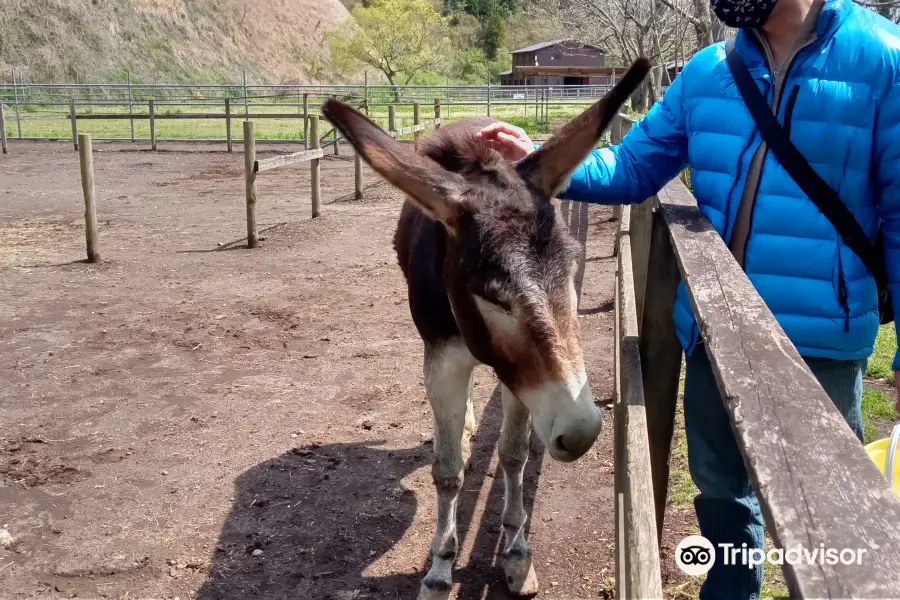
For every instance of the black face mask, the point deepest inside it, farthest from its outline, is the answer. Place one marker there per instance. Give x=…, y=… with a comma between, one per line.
x=743, y=14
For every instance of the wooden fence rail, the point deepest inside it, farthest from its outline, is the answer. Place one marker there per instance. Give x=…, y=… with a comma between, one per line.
x=313, y=155
x=3, y=147
x=816, y=485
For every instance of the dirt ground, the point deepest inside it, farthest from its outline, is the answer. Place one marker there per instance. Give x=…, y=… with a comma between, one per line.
x=192, y=419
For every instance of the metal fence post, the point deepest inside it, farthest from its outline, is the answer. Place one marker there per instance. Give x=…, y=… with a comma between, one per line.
x=16, y=105
x=306, y=121
x=228, y=122
x=366, y=93
x=131, y=105
x=246, y=105
x=152, y=127
x=416, y=120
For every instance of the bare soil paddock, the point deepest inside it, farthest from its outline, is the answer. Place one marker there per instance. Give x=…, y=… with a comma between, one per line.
x=193, y=419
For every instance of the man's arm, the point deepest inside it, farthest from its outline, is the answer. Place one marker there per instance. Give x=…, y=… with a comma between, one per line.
x=652, y=152
x=887, y=162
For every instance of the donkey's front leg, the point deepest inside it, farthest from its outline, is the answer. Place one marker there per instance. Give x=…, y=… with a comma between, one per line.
x=448, y=381
x=514, y=442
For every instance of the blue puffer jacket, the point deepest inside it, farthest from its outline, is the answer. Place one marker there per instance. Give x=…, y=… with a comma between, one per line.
x=841, y=99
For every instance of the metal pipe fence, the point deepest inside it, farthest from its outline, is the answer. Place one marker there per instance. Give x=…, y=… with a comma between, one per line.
x=116, y=112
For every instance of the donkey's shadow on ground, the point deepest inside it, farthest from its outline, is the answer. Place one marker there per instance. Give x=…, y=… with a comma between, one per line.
x=308, y=524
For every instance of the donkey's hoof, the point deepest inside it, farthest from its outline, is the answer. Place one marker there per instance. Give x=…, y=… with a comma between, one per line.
x=435, y=589
x=520, y=576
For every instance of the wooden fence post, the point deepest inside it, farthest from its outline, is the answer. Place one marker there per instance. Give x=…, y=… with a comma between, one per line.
x=618, y=132
x=306, y=121
x=250, y=183
x=3, y=130
x=228, y=122
x=392, y=118
x=315, y=167
x=85, y=152
x=152, y=126
x=437, y=113
x=74, y=123
x=417, y=118
x=661, y=354
x=641, y=224
x=337, y=151
x=358, y=176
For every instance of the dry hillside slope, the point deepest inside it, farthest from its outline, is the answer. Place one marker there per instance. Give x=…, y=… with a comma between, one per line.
x=164, y=40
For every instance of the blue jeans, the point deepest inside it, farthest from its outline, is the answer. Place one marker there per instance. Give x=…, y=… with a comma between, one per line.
x=727, y=508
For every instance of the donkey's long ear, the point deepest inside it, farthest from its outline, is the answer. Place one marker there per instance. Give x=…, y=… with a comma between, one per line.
x=548, y=167
x=435, y=190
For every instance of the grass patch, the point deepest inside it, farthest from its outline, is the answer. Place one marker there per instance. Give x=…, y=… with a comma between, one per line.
x=883, y=356
x=530, y=125
x=877, y=410
x=682, y=490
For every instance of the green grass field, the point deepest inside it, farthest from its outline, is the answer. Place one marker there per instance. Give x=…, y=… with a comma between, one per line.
x=52, y=122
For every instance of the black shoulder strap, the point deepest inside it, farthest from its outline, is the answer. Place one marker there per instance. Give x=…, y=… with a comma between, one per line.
x=800, y=170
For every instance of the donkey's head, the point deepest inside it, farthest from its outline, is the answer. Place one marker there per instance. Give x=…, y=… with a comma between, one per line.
x=510, y=263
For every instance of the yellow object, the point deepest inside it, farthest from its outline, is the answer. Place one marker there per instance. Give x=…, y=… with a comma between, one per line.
x=878, y=451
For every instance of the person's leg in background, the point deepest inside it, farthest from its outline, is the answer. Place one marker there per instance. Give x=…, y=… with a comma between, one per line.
x=727, y=508
x=842, y=380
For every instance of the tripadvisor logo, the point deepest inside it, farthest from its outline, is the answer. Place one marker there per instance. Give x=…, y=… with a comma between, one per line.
x=696, y=555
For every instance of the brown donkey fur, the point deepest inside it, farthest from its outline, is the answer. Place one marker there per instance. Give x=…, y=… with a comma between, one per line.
x=490, y=275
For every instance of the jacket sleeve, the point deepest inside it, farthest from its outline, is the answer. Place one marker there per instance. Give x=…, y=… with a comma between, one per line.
x=887, y=163
x=652, y=153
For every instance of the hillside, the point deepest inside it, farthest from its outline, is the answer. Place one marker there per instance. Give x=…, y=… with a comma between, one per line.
x=164, y=40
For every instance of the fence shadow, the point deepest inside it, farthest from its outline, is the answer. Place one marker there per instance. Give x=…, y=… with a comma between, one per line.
x=308, y=523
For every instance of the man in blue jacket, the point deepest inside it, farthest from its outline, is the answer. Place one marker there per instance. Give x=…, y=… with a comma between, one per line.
x=831, y=72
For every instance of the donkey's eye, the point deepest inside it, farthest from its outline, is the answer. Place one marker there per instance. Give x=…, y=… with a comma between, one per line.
x=496, y=303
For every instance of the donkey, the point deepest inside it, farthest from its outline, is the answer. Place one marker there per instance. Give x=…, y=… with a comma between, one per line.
x=490, y=275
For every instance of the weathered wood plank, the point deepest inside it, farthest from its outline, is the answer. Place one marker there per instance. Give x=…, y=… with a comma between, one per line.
x=267, y=164
x=660, y=356
x=315, y=169
x=86, y=160
x=3, y=146
x=250, y=183
x=642, y=567
x=415, y=128
x=74, y=124
x=641, y=224
x=620, y=466
x=815, y=482
x=358, y=176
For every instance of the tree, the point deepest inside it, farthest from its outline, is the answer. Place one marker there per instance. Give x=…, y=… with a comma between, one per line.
x=400, y=38
x=627, y=30
x=492, y=29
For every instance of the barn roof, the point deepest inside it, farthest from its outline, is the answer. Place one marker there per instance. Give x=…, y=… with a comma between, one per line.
x=542, y=45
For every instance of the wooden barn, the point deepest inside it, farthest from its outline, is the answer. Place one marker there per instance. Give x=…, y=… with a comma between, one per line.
x=558, y=63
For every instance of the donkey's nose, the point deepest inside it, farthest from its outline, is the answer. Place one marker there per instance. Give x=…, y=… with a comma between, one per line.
x=572, y=437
